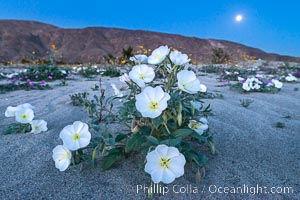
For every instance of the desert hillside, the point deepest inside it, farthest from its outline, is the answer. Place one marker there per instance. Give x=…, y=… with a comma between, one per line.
x=18, y=39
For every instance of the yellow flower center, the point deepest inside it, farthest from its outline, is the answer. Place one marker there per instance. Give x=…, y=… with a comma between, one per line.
x=195, y=125
x=164, y=162
x=153, y=105
x=142, y=76
x=36, y=127
x=76, y=136
x=24, y=116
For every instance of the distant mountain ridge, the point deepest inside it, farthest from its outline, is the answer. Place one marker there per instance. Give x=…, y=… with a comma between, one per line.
x=18, y=39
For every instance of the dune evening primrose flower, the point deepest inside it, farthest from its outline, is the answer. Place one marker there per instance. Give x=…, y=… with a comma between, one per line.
x=246, y=85
x=125, y=78
x=24, y=115
x=290, y=78
x=139, y=59
x=188, y=82
x=38, y=126
x=151, y=102
x=141, y=74
x=164, y=164
x=179, y=58
x=10, y=111
x=198, y=126
x=158, y=55
x=277, y=83
x=117, y=92
x=62, y=157
x=75, y=136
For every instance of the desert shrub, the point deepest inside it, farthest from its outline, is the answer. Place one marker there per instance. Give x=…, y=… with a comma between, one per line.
x=219, y=56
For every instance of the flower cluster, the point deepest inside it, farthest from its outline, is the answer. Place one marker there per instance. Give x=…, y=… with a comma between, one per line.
x=163, y=112
x=24, y=115
x=259, y=83
x=74, y=137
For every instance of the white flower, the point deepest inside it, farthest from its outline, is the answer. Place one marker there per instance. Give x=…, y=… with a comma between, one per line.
x=164, y=164
x=63, y=71
x=203, y=88
x=179, y=58
x=38, y=126
x=259, y=76
x=11, y=75
x=75, y=136
x=246, y=85
x=158, y=55
x=139, y=59
x=10, y=111
x=117, y=92
x=62, y=157
x=188, y=82
x=24, y=115
x=290, y=78
x=151, y=102
x=277, y=83
x=240, y=79
x=200, y=126
x=124, y=78
x=141, y=74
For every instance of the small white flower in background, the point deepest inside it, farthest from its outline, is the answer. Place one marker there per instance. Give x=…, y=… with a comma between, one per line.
x=277, y=83
x=63, y=71
x=290, y=78
x=259, y=76
x=228, y=73
x=179, y=58
x=240, y=79
x=151, y=102
x=124, y=78
x=38, y=126
x=158, y=55
x=164, y=164
x=188, y=82
x=246, y=85
x=139, y=59
x=11, y=75
x=62, y=157
x=24, y=115
x=141, y=74
x=11, y=110
x=117, y=92
x=203, y=88
x=75, y=136
x=236, y=73
x=198, y=126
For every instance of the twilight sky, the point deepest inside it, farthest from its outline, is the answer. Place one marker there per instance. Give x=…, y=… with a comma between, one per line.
x=271, y=25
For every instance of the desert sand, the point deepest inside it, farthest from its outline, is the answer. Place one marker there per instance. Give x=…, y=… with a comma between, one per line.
x=251, y=150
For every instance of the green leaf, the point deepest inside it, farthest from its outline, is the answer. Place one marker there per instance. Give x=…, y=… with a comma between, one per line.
x=153, y=140
x=120, y=137
x=182, y=133
x=111, y=158
x=171, y=142
x=200, y=159
x=134, y=142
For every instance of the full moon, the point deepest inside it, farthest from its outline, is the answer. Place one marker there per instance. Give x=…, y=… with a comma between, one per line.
x=238, y=18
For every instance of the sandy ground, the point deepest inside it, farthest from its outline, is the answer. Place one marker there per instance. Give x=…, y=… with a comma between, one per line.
x=252, y=151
